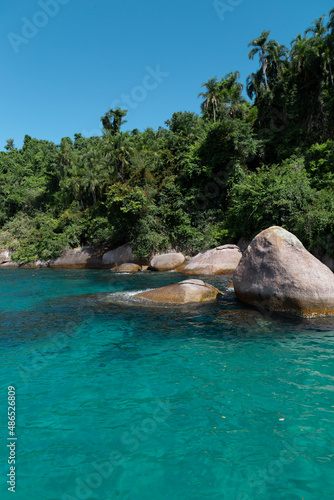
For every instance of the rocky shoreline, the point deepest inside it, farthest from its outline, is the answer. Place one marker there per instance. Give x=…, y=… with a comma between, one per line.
x=273, y=273
x=220, y=260
x=122, y=259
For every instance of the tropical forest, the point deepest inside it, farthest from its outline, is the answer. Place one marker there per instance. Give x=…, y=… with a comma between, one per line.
x=257, y=155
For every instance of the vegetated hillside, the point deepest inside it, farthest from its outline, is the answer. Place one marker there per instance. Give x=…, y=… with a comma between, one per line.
x=202, y=181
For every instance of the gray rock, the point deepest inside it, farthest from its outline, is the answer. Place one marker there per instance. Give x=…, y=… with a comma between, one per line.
x=184, y=292
x=9, y=265
x=120, y=255
x=35, y=265
x=167, y=261
x=221, y=260
x=128, y=268
x=277, y=273
x=5, y=257
x=86, y=257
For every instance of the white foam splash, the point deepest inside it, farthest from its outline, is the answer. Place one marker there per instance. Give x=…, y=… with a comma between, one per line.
x=129, y=293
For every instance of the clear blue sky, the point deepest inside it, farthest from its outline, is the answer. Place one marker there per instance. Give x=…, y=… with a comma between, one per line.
x=84, y=56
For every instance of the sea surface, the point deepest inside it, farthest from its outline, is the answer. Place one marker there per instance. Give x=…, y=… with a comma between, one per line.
x=118, y=401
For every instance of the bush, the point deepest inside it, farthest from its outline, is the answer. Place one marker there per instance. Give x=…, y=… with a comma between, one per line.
x=270, y=196
x=319, y=163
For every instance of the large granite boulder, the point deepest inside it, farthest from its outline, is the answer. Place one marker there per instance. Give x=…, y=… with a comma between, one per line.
x=38, y=264
x=5, y=257
x=277, y=273
x=9, y=265
x=166, y=262
x=6, y=261
x=220, y=260
x=86, y=257
x=183, y=292
x=120, y=255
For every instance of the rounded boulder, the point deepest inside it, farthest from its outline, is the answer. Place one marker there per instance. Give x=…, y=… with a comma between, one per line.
x=85, y=257
x=220, y=260
x=184, y=292
x=277, y=273
x=167, y=261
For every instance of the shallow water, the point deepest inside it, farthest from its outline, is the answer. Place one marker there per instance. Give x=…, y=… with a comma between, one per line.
x=117, y=401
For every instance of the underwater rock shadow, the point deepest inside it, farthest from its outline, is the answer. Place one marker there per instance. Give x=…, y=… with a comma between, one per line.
x=224, y=318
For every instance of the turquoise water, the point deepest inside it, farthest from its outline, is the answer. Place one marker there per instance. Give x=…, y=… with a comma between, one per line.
x=210, y=401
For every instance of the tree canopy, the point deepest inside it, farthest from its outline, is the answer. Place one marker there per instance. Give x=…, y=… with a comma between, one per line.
x=200, y=181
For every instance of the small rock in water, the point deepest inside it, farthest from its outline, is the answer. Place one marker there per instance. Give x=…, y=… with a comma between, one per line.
x=187, y=291
x=128, y=268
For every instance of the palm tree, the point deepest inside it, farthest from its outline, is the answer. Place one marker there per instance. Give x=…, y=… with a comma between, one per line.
x=277, y=59
x=211, y=97
x=94, y=172
x=301, y=51
x=273, y=60
x=320, y=47
x=329, y=44
x=66, y=153
x=113, y=120
x=118, y=152
x=231, y=94
x=74, y=181
x=330, y=25
x=260, y=46
x=254, y=84
x=319, y=29
x=309, y=68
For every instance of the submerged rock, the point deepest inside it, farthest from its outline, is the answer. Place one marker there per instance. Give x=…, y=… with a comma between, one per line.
x=181, y=293
x=128, y=268
x=277, y=273
x=167, y=261
x=220, y=260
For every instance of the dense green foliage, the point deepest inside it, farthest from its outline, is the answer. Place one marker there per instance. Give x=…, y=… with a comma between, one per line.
x=201, y=181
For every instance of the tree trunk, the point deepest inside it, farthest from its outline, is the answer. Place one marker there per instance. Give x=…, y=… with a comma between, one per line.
x=331, y=73
x=94, y=196
x=264, y=67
